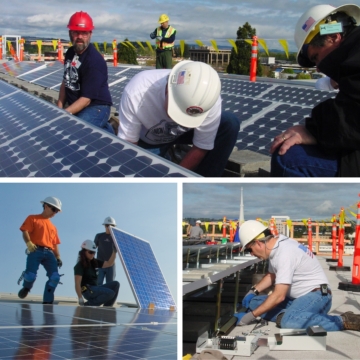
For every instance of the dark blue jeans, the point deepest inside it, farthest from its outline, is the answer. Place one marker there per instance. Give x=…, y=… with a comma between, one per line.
x=307, y=310
x=97, y=115
x=102, y=295
x=108, y=274
x=304, y=161
x=47, y=259
x=215, y=160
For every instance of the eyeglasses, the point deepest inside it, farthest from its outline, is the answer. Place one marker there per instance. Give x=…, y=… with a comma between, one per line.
x=91, y=252
x=83, y=33
x=53, y=208
x=248, y=247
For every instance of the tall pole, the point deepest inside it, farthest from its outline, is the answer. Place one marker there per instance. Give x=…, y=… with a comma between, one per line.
x=253, y=63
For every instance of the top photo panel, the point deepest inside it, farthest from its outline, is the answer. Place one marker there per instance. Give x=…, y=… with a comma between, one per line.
x=161, y=103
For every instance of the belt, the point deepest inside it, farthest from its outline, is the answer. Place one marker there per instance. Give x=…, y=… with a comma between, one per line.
x=319, y=289
x=85, y=288
x=43, y=247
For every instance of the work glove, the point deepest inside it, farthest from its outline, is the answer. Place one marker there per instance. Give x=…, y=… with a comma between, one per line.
x=59, y=262
x=159, y=38
x=247, y=298
x=31, y=246
x=244, y=318
x=81, y=301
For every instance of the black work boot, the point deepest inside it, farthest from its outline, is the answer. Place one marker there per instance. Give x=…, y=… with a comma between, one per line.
x=23, y=293
x=351, y=321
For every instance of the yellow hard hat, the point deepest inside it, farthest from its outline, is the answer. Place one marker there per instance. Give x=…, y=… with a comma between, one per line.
x=163, y=18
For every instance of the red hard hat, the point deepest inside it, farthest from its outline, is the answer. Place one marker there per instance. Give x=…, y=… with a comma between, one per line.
x=81, y=21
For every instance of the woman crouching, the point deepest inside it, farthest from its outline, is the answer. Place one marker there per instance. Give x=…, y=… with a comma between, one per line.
x=86, y=278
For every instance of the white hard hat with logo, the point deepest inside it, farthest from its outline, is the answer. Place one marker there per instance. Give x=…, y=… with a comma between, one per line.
x=193, y=89
x=249, y=231
x=309, y=23
x=51, y=200
x=88, y=245
x=109, y=221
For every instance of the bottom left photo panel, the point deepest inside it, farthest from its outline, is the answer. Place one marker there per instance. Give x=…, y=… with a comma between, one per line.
x=89, y=270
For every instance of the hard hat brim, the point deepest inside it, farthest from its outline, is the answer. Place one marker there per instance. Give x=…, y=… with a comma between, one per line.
x=174, y=112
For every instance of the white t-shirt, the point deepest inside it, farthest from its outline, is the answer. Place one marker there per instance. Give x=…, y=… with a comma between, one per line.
x=143, y=115
x=294, y=264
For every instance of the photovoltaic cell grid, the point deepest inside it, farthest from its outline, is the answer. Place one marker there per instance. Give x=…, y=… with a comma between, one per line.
x=16, y=69
x=265, y=110
x=37, y=139
x=35, y=331
x=143, y=271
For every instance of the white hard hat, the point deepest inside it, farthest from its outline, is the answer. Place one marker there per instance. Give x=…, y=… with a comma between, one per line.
x=88, y=245
x=198, y=221
x=55, y=202
x=250, y=230
x=109, y=221
x=307, y=26
x=193, y=89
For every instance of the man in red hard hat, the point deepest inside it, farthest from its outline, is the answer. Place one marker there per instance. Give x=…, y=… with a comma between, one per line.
x=85, y=83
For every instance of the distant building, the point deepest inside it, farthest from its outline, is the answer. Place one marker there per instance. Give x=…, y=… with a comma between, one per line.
x=209, y=55
x=267, y=60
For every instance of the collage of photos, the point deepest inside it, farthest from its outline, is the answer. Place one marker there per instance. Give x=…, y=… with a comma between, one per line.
x=176, y=189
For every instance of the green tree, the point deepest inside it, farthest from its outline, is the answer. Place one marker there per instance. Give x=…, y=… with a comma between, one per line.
x=288, y=71
x=126, y=54
x=186, y=51
x=240, y=61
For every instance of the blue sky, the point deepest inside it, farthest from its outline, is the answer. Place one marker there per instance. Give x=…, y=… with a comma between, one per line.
x=297, y=200
x=148, y=211
x=196, y=19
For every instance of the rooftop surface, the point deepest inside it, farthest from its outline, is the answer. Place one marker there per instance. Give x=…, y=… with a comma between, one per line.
x=339, y=345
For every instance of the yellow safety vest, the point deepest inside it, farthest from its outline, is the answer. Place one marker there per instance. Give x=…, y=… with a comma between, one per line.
x=169, y=32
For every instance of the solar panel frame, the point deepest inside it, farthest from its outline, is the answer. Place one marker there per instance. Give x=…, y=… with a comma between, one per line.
x=142, y=270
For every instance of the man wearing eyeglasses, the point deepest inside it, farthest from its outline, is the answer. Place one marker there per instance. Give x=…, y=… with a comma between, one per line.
x=41, y=239
x=301, y=296
x=105, y=249
x=159, y=108
x=85, y=83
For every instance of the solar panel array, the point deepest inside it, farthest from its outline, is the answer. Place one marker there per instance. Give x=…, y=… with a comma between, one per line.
x=265, y=107
x=143, y=271
x=37, y=139
x=35, y=331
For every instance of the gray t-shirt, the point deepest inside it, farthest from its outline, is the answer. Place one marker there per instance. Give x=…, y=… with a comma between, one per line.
x=196, y=232
x=105, y=245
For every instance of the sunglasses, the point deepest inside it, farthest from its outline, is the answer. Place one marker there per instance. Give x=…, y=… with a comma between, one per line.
x=91, y=252
x=53, y=209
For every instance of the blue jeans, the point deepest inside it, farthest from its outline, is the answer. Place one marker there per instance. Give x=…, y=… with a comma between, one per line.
x=47, y=259
x=214, y=162
x=304, y=161
x=107, y=273
x=102, y=295
x=308, y=310
x=97, y=115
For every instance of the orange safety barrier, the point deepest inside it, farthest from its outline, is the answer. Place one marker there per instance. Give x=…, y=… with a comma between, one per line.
x=1, y=48
x=59, y=52
x=231, y=233
x=115, y=52
x=253, y=63
x=273, y=228
x=310, y=245
x=341, y=238
x=333, y=237
x=21, y=49
x=13, y=53
x=356, y=262
x=224, y=227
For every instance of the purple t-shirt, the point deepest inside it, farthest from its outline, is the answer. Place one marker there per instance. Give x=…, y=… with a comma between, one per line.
x=86, y=75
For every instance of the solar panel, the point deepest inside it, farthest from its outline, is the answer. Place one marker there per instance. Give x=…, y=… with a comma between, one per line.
x=37, y=139
x=18, y=68
x=142, y=269
x=67, y=332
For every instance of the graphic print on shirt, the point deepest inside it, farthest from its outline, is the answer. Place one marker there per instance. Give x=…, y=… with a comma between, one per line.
x=71, y=75
x=165, y=132
x=306, y=250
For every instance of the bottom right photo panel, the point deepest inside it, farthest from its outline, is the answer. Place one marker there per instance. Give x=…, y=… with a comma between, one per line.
x=271, y=271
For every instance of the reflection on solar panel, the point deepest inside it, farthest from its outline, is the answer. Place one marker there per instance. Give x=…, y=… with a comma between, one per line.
x=143, y=271
x=34, y=331
x=37, y=139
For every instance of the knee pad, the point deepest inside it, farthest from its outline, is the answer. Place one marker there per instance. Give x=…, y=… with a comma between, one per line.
x=29, y=276
x=54, y=279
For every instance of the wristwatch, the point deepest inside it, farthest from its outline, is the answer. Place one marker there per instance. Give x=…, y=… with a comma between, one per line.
x=253, y=288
